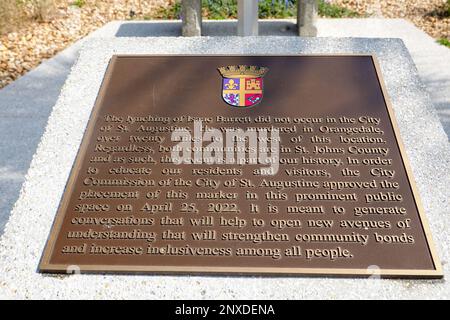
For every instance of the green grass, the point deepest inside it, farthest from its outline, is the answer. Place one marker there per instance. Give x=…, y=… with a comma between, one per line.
x=79, y=3
x=169, y=13
x=444, y=42
x=334, y=11
x=277, y=9
x=268, y=9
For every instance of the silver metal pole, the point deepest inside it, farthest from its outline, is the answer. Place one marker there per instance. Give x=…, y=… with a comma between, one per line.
x=247, y=18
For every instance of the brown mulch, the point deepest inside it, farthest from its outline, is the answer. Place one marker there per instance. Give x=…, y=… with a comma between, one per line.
x=33, y=41
x=427, y=15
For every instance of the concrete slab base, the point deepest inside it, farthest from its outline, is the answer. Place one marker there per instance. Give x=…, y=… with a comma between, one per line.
x=31, y=219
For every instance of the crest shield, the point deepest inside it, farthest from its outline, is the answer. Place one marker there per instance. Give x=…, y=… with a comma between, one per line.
x=242, y=86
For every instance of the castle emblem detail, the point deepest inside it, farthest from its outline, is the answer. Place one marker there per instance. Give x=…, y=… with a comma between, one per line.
x=242, y=86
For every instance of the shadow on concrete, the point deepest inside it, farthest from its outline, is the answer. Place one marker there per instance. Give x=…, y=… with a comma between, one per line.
x=25, y=106
x=210, y=28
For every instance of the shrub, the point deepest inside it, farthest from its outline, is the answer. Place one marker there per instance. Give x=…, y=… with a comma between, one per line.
x=327, y=9
x=14, y=12
x=40, y=9
x=9, y=14
x=444, y=42
x=226, y=9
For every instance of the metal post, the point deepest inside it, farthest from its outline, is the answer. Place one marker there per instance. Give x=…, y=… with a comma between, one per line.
x=307, y=17
x=191, y=11
x=247, y=17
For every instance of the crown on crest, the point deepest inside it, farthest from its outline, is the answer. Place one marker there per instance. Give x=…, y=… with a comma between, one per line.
x=242, y=70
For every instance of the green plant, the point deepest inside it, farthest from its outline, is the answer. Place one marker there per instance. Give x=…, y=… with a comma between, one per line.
x=212, y=9
x=330, y=10
x=171, y=12
x=444, y=42
x=219, y=9
x=79, y=3
x=275, y=9
x=441, y=12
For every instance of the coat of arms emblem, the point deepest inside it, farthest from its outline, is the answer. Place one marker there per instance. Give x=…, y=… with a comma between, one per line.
x=242, y=86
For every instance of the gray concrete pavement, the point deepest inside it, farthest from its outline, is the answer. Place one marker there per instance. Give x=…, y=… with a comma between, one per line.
x=26, y=104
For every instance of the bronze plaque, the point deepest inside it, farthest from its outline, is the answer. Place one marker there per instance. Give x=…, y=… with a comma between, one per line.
x=338, y=200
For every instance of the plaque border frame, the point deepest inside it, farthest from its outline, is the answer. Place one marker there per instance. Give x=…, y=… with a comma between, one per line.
x=46, y=267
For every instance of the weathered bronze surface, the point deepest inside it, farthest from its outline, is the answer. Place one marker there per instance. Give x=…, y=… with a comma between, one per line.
x=342, y=203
